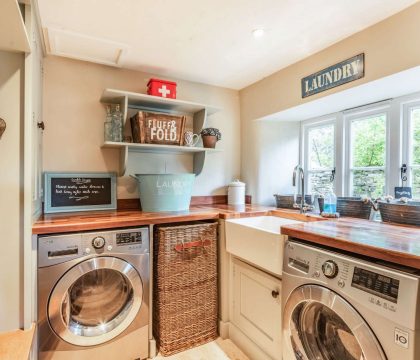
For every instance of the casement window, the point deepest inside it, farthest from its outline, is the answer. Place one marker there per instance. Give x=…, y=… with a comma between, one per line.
x=366, y=153
x=366, y=146
x=411, y=147
x=319, y=158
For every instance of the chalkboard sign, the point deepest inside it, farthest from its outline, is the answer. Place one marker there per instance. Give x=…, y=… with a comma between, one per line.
x=79, y=192
x=403, y=191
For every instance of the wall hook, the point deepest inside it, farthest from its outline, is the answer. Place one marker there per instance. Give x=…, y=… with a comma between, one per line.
x=41, y=125
x=2, y=127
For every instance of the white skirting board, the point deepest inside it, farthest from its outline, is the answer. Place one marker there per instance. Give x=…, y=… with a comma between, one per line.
x=243, y=342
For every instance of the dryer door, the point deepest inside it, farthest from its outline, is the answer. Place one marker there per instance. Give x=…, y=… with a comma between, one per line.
x=95, y=301
x=319, y=324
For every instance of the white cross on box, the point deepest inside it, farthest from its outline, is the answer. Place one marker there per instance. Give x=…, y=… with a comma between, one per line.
x=164, y=91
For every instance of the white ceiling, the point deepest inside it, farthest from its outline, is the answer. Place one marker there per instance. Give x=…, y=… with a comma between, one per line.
x=208, y=41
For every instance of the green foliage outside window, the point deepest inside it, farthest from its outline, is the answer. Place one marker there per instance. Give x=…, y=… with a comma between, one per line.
x=415, y=130
x=369, y=141
x=368, y=150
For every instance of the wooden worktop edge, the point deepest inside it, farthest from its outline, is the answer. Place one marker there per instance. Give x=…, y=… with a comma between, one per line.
x=402, y=258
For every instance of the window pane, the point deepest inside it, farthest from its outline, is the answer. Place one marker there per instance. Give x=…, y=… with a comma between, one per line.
x=416, y=183
x=415, y=133
x=320, y=183
x=369, y=183
x=368, y=141
x=321, y=147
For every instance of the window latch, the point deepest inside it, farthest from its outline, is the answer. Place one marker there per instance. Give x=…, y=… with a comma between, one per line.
x=332, y=176
x=403, y=173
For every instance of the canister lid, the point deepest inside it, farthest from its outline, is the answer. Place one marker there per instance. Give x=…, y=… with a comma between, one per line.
x=236, y=183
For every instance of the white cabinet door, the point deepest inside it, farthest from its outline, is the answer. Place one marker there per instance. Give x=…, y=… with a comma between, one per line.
x=256, y=307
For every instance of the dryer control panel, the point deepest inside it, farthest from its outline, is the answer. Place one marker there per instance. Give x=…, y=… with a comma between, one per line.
x=61, y=248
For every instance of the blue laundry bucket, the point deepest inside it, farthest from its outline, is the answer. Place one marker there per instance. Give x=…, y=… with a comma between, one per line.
x=165, y=192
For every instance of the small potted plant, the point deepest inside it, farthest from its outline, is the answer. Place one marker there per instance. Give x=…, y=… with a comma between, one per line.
x=210, y=137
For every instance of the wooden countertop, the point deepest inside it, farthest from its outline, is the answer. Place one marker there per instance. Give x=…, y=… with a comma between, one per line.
x=16, y=345
x=394, y=243
x=93, y=220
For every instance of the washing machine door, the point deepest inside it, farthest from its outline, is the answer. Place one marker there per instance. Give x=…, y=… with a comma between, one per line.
x=318, y=324
x=95, y=301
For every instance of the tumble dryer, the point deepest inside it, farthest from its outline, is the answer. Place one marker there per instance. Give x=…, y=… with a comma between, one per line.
x=93, y=295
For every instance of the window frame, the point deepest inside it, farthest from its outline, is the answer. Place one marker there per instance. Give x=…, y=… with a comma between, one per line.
x=307, y=126
x=362, y=113
x=407, y=139
x=397, y=148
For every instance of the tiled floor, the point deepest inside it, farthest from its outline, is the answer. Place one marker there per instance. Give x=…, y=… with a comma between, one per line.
x=215, y=350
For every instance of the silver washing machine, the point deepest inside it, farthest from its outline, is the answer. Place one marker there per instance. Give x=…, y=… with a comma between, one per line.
x=339, y=307
x=93, y=295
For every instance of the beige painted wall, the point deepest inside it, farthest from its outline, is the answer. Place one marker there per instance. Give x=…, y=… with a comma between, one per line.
x=275, y=155
x=390, y=46
x=74, y=120
x=11, y=207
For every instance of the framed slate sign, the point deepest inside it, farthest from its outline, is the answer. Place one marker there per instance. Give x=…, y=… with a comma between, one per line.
x=334, y=75
x=79, y=191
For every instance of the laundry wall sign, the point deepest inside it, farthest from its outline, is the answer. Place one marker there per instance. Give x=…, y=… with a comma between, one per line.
x=335, y=75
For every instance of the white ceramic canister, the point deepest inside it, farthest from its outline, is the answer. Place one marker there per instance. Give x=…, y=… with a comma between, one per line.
x=236, y=193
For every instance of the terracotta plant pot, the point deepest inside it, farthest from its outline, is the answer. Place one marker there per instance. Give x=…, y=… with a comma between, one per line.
x=209, y=141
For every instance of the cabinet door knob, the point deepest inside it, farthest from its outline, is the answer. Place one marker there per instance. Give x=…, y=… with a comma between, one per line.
x=41, y=125
x=275, y=294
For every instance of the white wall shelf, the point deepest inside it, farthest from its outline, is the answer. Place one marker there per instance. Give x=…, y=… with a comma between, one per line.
x=171, y=149
x=130, y=100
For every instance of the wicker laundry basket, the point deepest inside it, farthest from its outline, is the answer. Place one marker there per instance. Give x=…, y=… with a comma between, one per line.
x=185, y=311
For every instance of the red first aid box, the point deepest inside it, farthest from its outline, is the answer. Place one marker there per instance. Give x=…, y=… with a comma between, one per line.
x=162, y=88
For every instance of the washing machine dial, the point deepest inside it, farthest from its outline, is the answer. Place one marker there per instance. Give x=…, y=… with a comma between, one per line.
x=98, y=242
x=330, y=269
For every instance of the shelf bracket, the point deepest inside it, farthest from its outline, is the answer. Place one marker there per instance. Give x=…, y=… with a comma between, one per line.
x=199, y=120
x=199, y=162
x=123, y=160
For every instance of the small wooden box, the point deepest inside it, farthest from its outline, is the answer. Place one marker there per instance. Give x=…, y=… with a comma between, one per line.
x=157, y=128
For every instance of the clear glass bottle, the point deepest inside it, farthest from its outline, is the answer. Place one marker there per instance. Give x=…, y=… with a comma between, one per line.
x=330, y=203
x=117, y=125
x=108, y=126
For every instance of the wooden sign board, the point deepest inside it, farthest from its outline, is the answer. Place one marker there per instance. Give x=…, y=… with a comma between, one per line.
x=157, y=128
x=79, y=192
x=335, y=75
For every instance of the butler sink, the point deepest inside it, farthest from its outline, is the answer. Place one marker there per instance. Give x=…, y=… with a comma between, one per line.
x=258, y=241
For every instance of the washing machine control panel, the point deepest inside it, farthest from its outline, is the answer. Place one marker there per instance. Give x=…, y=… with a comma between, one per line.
x=376, y=284
x=57, y=249
x=126, y=238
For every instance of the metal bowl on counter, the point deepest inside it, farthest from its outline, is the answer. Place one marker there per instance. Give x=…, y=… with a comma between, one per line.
x=399, y=212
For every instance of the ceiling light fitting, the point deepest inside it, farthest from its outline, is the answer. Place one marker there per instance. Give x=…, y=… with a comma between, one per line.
x=257, y=33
